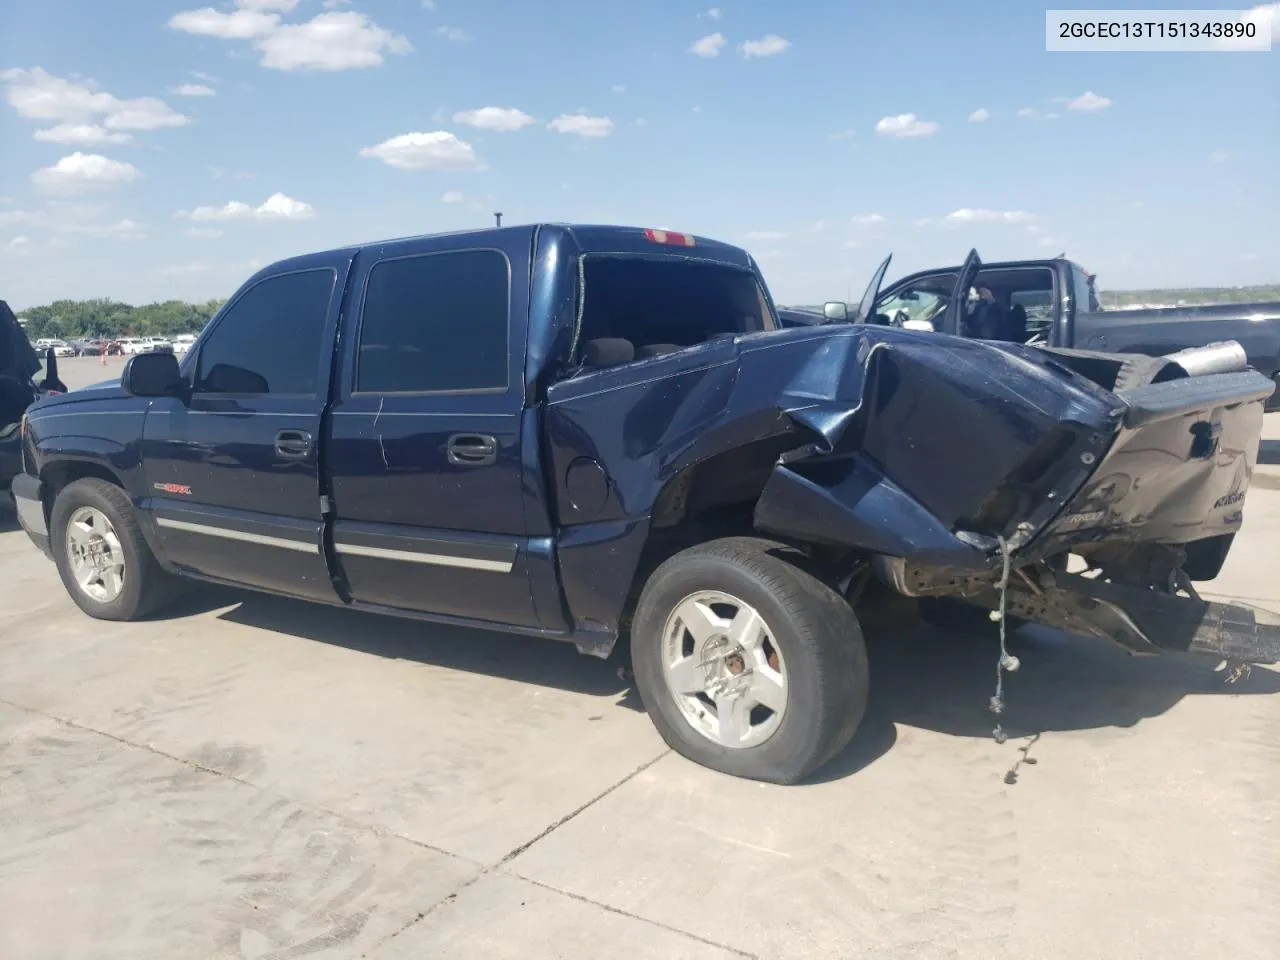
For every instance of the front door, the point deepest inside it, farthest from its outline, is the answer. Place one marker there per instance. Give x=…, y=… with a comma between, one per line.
x=233, y=473
x=428, y=493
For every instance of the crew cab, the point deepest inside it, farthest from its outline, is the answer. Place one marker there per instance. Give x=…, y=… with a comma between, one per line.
x=590, y=432
x=1055, y=302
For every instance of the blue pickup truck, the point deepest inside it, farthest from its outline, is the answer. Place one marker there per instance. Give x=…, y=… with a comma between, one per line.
x=589, y=433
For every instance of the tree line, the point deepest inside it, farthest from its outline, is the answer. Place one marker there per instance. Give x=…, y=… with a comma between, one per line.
x=112, y=319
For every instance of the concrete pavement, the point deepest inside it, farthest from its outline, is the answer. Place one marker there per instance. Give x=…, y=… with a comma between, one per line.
x=258, y=778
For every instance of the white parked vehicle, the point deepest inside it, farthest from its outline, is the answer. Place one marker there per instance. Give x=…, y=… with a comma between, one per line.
x=60, y=347
x=183, y=342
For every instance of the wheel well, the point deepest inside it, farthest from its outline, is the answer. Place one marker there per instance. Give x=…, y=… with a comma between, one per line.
x=711, y=499
x=56, y=476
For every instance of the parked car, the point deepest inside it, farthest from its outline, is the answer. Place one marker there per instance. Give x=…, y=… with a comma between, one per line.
x=60, y=348
x=1054, y=302
x=19, y=367
x=183, y=342
x=580, y=433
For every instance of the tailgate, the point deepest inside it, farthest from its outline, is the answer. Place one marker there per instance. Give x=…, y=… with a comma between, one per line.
x=1178, y=467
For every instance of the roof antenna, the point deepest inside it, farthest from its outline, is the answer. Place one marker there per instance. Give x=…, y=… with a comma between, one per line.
x=497, y=219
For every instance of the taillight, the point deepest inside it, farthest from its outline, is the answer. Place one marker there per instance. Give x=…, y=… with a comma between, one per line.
x=667, y=236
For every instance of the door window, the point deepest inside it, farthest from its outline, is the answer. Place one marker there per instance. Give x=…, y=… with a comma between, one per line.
x=270, y=340
x=435, y=323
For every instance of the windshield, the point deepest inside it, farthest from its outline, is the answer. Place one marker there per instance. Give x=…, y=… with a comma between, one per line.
x=925, y=299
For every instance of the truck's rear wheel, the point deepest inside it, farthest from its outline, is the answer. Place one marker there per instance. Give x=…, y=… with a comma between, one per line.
x=103, y=559
x=746, y=663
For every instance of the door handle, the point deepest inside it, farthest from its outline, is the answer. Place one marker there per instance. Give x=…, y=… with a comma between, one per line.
x=293, y=444
x=472, y=450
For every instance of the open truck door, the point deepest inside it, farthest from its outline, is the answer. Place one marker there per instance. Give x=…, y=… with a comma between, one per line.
x=867, y=306
x=954, y=320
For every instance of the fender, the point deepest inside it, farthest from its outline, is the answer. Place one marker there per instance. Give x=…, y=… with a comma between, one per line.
x=855, y=419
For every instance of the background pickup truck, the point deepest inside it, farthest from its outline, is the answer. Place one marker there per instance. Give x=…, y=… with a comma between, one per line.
x=592, y=433
x=1055, y=302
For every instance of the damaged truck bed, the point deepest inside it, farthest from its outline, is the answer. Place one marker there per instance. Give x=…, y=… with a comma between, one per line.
x=591, y=432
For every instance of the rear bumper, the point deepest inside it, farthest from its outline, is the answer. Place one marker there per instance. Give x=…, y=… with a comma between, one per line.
x=26, y=499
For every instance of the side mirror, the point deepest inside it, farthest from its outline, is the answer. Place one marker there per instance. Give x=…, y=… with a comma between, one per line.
x=151, y=375
x=836, y=311
x=920, y=326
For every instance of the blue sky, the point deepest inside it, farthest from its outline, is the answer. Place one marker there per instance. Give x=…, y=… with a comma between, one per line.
x=157, y=148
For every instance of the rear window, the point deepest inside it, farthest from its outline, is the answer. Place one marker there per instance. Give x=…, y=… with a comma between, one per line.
x=668, y=301
x=435, y=323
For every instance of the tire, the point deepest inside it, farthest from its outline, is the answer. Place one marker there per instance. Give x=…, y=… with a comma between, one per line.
x=144, y=585
x=812, y=640
x=947, y=613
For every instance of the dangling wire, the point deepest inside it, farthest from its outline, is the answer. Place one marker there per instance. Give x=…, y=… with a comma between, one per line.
x=1007, y=661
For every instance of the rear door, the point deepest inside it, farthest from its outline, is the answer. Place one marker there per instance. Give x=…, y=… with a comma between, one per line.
x=234, y=473
x=954, y=320
x=426, y=451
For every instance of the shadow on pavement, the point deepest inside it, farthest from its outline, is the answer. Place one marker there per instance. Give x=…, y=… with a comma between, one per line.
x=943, y=682
x=920, y=676
x=534, y=660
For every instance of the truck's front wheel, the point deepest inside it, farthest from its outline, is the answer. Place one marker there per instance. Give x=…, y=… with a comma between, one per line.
x=102, y=557
x=746, y=663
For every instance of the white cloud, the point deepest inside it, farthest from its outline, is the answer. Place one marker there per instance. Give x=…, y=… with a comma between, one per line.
x=451, y=33
x=905, y=125
x=500, y=119
x=185, y=269
x=712, y=13
x=279, y=207
x=205, y=77
x=18, y=245
x=708, y=46
x=451, y=196
x=29, y=218
x=582, y=125
x=842, y=135
x=204, y=233
x=981, y=115
x=1029, y=112
x=1047, y=242
x=83, y=134
x=330, y=41
x=120, y=230
x=1087, y=102
x=770, y=45
x=617, y=88
x=284, y=6
x=57, y=243
x=851, y=244
x=1220, y=156
x=765, y=235
x=867, y=219
x=437, y=150
x=40, y=95
x=82, y=171
x=1258, y=16
x=241, y=24
x=969, y=215
x=275, y=207
x=641, y=122
x=194, y=90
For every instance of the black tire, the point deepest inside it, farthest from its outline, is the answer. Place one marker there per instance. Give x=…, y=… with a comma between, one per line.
x=947, y=613
x=146, y=586
x=818, y=637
